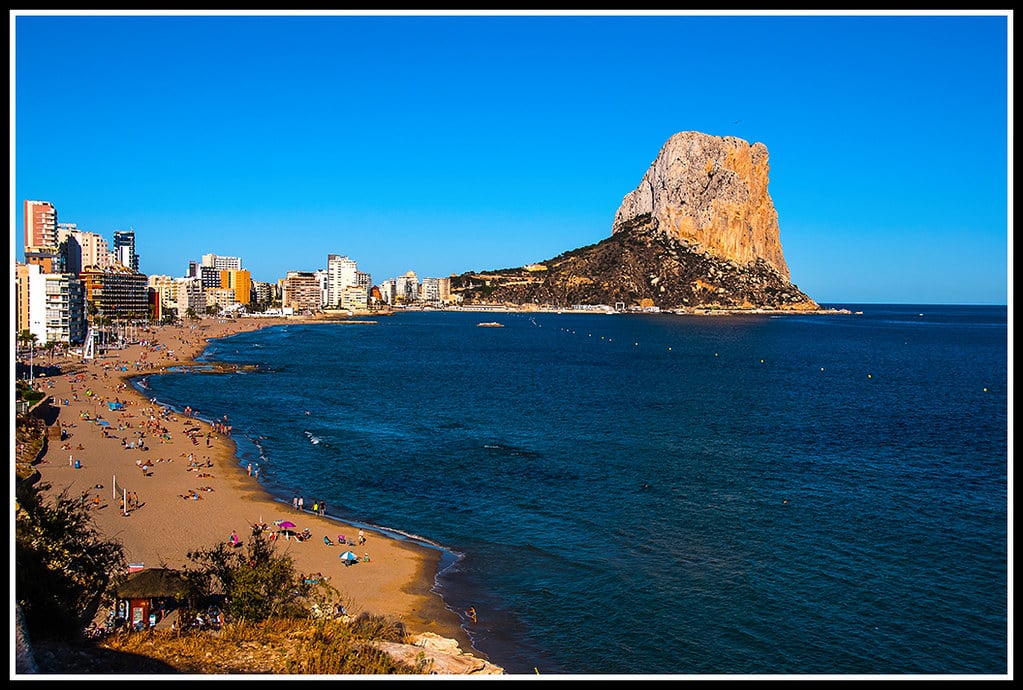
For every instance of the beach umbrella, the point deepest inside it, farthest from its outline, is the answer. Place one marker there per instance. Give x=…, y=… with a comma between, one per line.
x=348, y=556
x=286, y=524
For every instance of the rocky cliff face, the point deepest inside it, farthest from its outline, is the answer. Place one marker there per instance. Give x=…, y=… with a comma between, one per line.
x=700, y=231
x=710, y=192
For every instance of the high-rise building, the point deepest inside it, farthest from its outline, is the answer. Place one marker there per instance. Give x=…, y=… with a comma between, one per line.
x=21, y=279
x=342, y=273
x=124, y=249
x=210, y=268
x=436, y=289
x=264, y=292
x=92, y=250
x=222, y=263
x=190, y=296
x=117, y=292
x=301, y=291
x=209, y=277
x=40, y=224
x=240, y=281
x=406, y=288
x=51, y=306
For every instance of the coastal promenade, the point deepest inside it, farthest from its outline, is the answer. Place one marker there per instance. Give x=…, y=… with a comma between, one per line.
x=187, y=491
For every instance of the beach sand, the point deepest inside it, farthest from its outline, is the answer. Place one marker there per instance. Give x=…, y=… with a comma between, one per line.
x=395, y=583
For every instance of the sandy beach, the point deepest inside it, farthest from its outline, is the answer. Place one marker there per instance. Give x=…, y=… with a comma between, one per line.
x=161, y=458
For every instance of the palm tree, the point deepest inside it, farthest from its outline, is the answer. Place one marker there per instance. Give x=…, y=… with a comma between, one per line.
x=31, y=338
x=24, y=337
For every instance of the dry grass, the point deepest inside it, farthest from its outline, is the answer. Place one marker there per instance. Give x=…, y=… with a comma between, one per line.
x=277, y=647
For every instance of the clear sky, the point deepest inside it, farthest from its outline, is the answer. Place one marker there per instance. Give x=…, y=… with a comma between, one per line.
x=445, y=143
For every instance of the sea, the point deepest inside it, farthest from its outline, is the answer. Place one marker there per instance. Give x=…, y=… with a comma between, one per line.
x=660, y=494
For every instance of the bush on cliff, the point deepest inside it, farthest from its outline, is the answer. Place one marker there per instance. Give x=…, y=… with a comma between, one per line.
x=62, y=564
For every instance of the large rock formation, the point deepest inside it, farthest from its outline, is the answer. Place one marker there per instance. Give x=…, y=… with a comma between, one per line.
x=710, y=192
x=700, y=231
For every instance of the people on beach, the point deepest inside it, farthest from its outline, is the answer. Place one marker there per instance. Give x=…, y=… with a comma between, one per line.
x=180, y=437
x=471, y=613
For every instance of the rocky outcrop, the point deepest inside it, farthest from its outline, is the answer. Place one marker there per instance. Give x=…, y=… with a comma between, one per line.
x=637, y=267
x=438, y=655
x=710, y=192
x=24, y=660
x=699, y=232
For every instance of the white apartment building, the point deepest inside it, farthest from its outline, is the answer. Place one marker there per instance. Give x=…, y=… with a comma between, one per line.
x=406, y=288
x=56, y=307
x=222, y=263
x=342, y=273
x=436, y=290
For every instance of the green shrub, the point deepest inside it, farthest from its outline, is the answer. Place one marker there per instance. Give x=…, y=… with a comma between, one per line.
x=62, y=564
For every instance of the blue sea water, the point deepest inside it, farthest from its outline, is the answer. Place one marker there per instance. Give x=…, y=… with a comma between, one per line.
x=661, y=494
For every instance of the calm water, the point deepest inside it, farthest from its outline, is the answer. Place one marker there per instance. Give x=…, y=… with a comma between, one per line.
x=661, y=494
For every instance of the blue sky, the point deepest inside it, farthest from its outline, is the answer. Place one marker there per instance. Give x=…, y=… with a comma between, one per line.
x=449, y=143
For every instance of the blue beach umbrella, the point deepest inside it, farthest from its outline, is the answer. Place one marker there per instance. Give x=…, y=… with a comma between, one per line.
x=348, y=556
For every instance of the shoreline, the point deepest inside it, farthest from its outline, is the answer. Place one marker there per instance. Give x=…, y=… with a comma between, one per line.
x=602, y=309
x=101, y=461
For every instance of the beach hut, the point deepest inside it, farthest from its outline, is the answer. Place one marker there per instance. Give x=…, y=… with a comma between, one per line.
x=147, y=596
